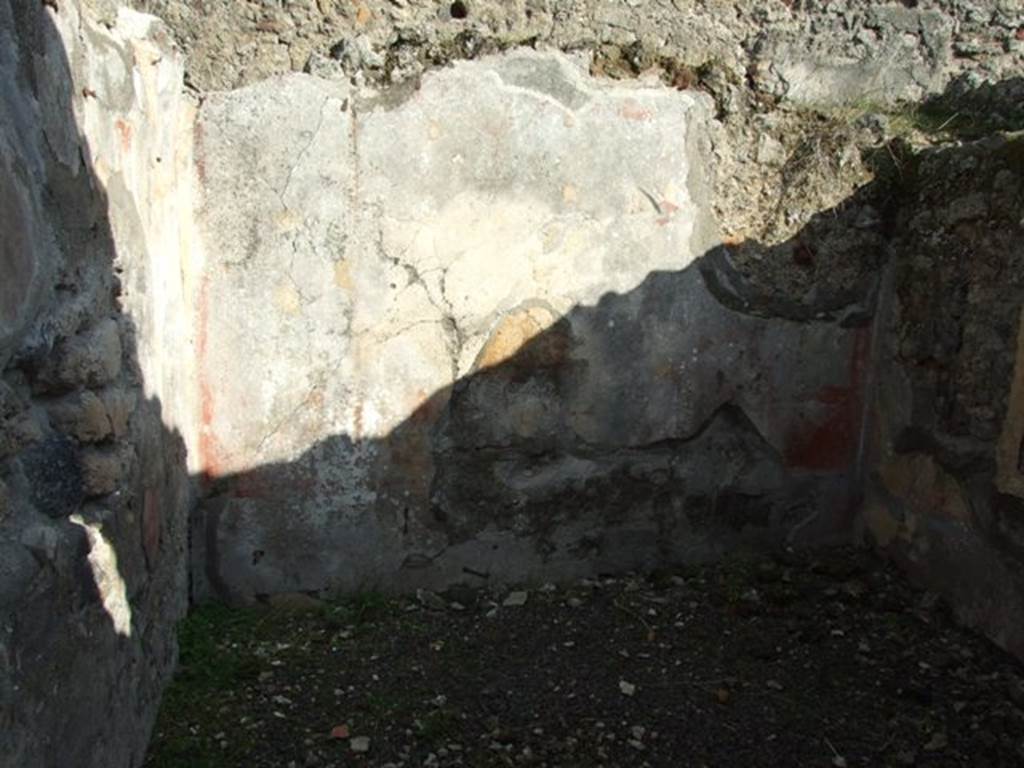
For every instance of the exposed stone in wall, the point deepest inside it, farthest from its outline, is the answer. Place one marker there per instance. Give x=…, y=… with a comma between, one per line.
x=948, y=493
x=94, y=160
x=774, y=70
x=804, y=50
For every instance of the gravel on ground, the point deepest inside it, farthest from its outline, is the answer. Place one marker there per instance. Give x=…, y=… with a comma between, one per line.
x=821, y=659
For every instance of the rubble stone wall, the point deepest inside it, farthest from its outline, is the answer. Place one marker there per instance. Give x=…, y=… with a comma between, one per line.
x=946, y=492
x=95, y=164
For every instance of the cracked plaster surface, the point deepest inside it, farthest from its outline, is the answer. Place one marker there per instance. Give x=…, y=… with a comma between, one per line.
x=361, y=257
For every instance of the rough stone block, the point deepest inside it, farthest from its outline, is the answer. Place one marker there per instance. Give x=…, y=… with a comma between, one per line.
x=889, y=66
x=19, y=432
x=120, y=403
x=8, y=444
x=12, y=410
x=42, y=541
x=103, y=470
x=5, y=502
x=17, y=569
x=18, y=260
x=54, y=475
x=90, y=359
x=83, y=416
x=10, y=403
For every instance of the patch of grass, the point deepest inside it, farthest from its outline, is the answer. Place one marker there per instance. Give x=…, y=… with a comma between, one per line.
x=1013, y=152
x=437, y=725
x=390, y=705
x=938, y=119
x=368, y=606
x=734, y=584
x=212, y=662
x=183, y=753
x=357, y=611
x=207, y=663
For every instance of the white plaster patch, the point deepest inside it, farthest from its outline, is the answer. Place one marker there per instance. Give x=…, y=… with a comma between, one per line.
x=109, y=582
x=502, y=183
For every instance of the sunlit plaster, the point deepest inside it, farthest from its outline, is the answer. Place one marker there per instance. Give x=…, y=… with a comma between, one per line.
x=110, y=585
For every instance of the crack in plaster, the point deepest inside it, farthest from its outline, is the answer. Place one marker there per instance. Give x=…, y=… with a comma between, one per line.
x=302, y=153
x=453, y=334
x=281, y=423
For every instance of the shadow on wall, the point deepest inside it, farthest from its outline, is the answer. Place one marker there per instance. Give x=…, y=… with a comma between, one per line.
x=582, y=443
x=94, y=490
x=747, y=401
x=706, y=410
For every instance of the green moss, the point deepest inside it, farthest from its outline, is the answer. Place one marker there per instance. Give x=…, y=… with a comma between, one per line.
x=211, y=663
x=223, y=650
x=940, y=118
x=1012, y=153
x=437, y=726
x=357, y=611
x=937, y=119
x=393, y=705
x=206, y=663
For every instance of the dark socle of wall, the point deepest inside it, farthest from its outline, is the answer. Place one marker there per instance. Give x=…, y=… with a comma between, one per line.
x=93, y=488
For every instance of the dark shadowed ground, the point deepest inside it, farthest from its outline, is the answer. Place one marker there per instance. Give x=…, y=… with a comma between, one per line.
x=823, y=660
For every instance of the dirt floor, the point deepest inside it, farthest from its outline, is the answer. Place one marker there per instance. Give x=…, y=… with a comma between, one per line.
x=830, y=660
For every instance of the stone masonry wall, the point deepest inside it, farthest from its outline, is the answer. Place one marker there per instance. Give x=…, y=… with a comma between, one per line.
x=94, y=167
x=947, y=493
